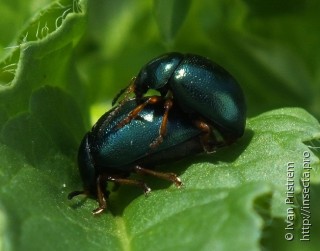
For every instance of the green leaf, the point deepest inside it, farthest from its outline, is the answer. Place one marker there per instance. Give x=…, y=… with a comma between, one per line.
x=59, y=114
x=54, y=122
x=25, y=134
x=41, y=54
x=212, y=213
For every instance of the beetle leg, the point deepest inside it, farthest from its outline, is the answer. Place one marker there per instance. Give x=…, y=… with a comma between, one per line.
x=167, y=176
x=101, y=195
x=163, y=128
x=138, y=183
x=134, y=113
x=206, y=137
x=209, y=140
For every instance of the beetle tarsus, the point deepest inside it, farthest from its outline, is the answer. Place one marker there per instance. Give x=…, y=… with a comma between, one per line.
x=131, y=182
x=98, y=210
x=147, y=190
x=102, y=195
x=166, y=176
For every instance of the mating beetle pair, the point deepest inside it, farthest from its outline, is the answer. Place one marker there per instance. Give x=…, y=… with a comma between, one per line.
x=201, y=108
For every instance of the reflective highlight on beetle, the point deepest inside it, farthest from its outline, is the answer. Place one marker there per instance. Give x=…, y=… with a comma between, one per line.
x=200, y=108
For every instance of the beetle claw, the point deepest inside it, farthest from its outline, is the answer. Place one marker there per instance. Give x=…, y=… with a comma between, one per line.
x=147, y=190
x=98, y=210
x=176, y=180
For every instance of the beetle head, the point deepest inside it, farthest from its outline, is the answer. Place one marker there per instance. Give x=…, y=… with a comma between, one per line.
x=156, y=74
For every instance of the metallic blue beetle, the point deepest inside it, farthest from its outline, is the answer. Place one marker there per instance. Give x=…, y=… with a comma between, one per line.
x=108, y=153
x=204, y=90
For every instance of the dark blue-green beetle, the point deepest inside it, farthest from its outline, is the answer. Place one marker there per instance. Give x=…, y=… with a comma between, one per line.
x=204, y=90
x=108, y=153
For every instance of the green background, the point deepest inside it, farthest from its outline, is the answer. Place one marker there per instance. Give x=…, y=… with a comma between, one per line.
x=62, y=62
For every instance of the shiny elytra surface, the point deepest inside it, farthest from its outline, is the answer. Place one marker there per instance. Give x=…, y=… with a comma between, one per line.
x=204, y=87
x=114, y=148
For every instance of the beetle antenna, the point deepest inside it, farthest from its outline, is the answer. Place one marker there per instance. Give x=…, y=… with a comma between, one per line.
x=126, y=91
x=115, y=99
